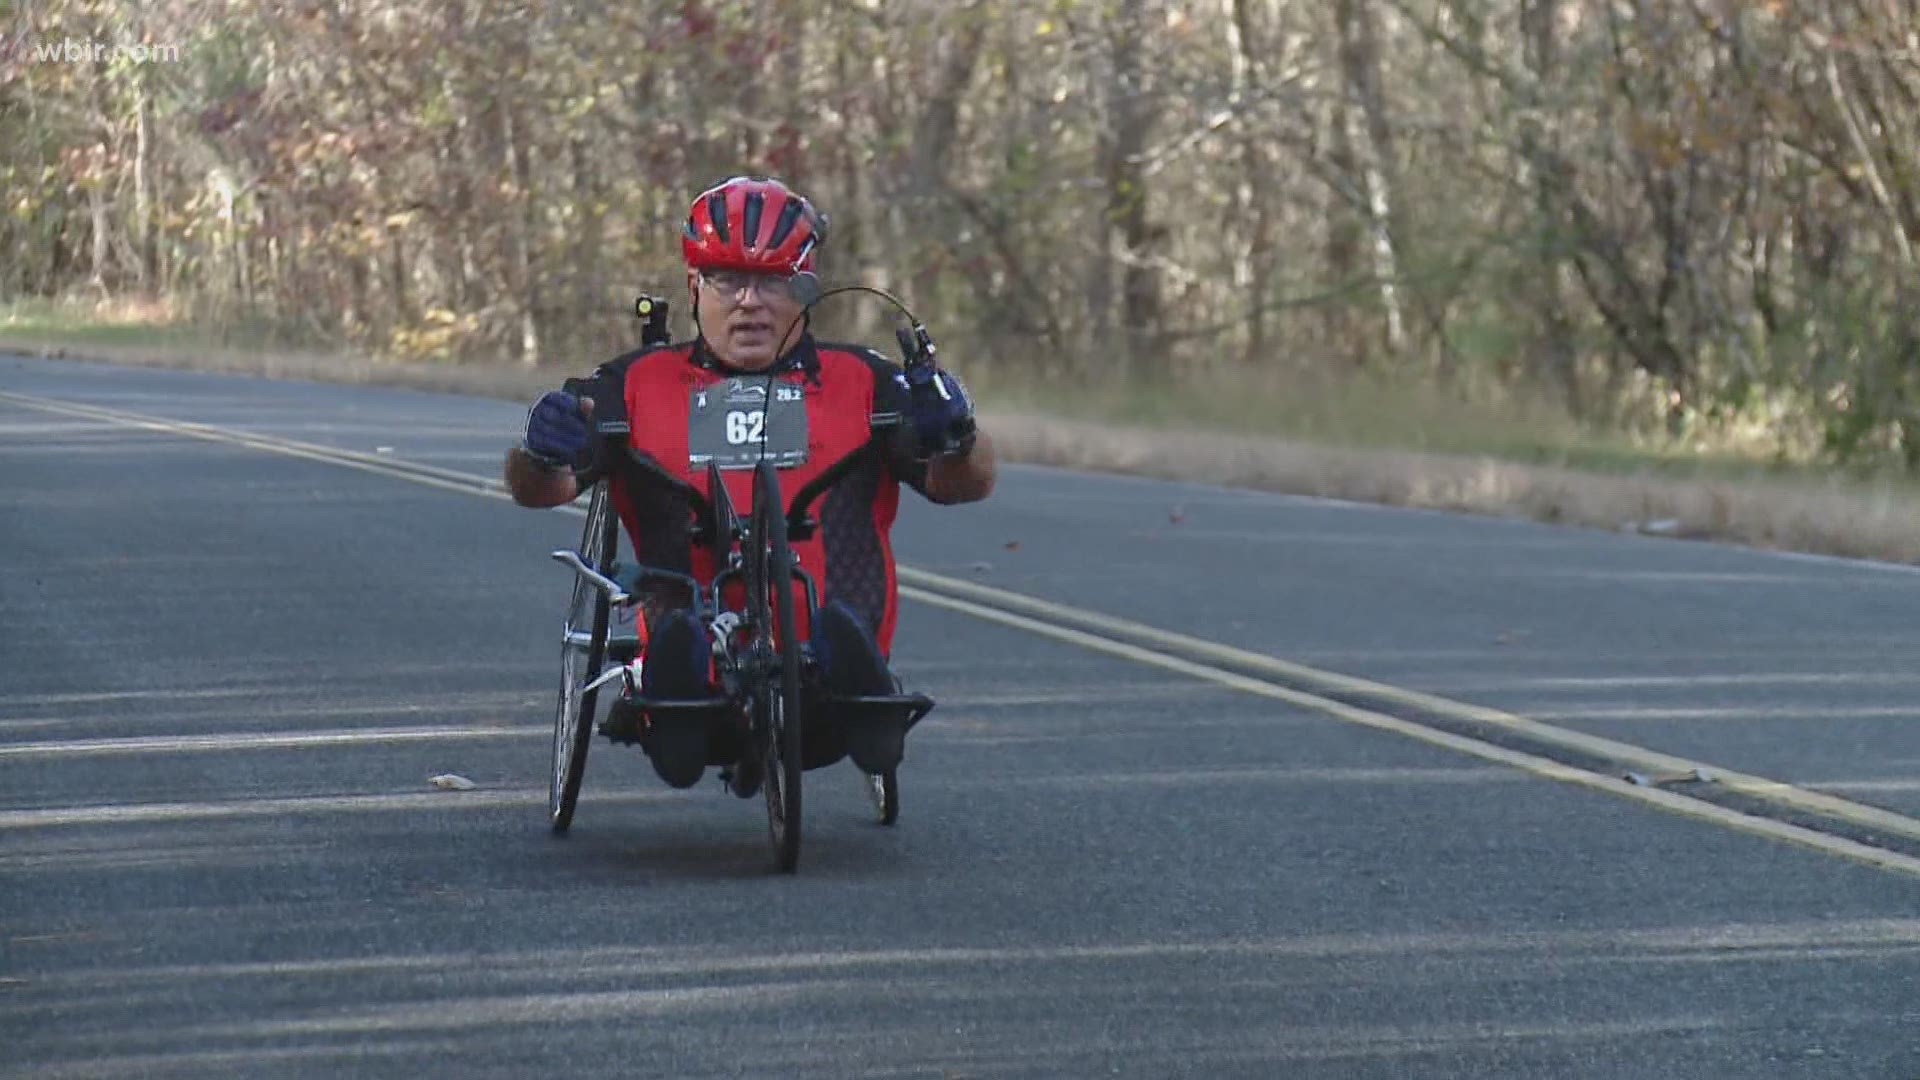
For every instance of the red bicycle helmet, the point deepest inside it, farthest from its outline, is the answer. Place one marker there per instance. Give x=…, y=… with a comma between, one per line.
x=752, y=223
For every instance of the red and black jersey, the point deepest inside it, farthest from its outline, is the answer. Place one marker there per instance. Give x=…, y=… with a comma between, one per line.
x=811, y=409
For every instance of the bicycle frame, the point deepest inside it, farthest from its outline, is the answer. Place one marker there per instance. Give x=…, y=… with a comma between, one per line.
x=755, y=659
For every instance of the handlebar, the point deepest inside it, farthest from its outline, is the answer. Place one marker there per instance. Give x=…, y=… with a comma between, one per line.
x=800, y=524
x=615, y=594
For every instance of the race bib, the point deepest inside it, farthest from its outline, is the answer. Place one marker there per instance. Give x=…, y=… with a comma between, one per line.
x=735, y=421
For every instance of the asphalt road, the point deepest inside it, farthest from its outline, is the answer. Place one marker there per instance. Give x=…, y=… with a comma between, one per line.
x=1103, y=867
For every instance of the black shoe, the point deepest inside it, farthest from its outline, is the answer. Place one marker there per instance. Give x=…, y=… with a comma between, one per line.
x=624, y=721
x=677, y=669
x=851, y=666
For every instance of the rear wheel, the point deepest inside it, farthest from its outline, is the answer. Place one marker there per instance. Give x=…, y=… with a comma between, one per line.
x=583, y=650
x=781, y=697
x=884, y=790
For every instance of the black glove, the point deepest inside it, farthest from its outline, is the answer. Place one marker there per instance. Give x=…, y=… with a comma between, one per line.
x=556, y=429
x=941, y=411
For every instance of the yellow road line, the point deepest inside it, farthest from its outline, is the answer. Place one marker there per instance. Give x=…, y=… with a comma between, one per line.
x=1539, y=766
x=1103, y=633
x=431, y=475
x=1637, y=758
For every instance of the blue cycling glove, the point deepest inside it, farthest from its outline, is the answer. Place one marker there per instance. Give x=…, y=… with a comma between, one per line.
x=556, y=429
x=941, y=411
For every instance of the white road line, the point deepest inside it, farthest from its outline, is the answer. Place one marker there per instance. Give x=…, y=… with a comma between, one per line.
x=1107, y=639
x=221, y=742
x=41, y=701
x=149, y=813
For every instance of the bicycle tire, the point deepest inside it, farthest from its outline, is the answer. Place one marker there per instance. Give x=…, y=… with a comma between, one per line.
x=884, y=790
x=580, y=662
x=774, y=588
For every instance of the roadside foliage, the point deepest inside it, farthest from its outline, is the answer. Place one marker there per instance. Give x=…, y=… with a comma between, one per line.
x=1678, y=216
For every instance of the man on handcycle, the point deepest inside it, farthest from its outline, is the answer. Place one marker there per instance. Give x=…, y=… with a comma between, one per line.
x=733, y=395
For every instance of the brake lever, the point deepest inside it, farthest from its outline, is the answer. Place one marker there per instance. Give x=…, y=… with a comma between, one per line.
x=615, y=594
x=918, y=350
x=922, y=386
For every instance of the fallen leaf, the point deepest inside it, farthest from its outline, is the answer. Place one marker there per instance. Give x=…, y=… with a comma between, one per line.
x=1011, y=545
x=1177, y=515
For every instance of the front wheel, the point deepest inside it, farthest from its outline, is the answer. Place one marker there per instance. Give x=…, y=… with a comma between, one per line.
x=781, y=708
x=583, y=650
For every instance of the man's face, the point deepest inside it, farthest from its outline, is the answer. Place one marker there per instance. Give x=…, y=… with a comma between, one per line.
x=745, y=317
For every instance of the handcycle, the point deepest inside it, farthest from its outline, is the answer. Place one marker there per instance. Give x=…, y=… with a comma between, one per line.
x=763, y=670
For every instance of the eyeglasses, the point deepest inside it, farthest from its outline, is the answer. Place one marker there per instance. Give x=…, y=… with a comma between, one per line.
x=732, y=285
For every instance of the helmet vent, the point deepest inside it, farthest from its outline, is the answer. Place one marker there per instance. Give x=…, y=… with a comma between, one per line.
x=751, y=225
x=783, y=225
